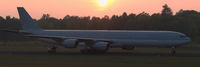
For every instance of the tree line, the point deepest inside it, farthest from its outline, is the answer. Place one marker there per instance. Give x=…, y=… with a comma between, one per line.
x=184, y=21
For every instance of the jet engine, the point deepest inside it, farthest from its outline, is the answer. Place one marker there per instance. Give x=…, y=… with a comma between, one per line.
x=69, y=43
x=101, y=46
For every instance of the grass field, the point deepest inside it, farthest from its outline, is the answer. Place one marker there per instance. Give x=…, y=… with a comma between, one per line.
x=96, y=61
x=45, y=60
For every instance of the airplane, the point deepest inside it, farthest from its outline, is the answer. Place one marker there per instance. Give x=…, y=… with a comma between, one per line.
x=100, y=41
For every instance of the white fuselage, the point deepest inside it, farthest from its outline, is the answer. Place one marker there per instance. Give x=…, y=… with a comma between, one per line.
x=125, y=38
x=100, y=40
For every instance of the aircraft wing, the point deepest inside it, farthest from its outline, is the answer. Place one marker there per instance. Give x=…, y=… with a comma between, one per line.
x=62, y=38
x=14, y=31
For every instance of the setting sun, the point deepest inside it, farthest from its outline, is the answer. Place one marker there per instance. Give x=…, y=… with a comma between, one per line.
x=102, y=2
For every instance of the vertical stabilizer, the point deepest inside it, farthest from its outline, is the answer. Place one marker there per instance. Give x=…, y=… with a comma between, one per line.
x=27, y=22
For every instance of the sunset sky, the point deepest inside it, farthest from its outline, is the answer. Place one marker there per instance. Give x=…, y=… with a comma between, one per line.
x=60, y=8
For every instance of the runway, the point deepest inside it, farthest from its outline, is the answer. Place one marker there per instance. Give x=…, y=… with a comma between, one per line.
x=105, y=54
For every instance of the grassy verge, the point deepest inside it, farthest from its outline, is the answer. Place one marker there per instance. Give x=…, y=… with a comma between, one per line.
x=96, y=61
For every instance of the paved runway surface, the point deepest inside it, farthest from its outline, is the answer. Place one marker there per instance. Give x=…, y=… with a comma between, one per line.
x=106, y=54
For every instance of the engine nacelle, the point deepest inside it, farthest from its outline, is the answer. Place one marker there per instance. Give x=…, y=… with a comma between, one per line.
x=128, y=48
x=69, y=43
x=101, y=46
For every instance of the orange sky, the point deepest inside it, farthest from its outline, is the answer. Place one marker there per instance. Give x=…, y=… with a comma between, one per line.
x=60, y=8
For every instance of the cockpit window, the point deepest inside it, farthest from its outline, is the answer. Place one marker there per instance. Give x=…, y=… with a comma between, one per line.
x=182, y=36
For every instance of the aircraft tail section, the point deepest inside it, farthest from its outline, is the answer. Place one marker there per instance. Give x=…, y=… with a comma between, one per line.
x=27, y=22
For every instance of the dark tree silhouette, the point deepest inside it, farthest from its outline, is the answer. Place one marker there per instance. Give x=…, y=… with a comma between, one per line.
x=166, y=10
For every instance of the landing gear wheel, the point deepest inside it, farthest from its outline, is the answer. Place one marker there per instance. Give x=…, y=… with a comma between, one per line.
x=52, y=50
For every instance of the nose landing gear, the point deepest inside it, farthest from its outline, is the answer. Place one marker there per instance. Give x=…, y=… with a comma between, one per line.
x=173, y=51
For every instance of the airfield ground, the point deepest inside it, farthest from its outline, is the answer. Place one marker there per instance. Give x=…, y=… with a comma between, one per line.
x=33, y=54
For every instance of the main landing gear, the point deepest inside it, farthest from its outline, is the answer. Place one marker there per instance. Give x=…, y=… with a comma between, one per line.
x=52, y=50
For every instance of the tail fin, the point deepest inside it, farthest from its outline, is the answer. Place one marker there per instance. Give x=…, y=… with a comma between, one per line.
x=27, y=22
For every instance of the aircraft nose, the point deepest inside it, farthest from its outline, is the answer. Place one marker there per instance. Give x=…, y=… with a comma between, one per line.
x=188, y=40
